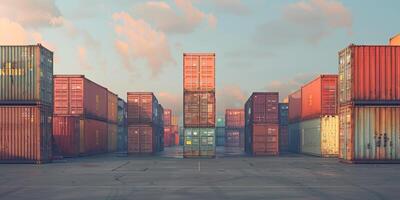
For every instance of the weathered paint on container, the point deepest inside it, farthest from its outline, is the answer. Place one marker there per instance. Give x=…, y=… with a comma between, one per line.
x=122, y=126
x=319, y=97
x=199, y=142
x=77, y=95
x=283, y=139
x=262, y=139
x=233, y=137
x=320, y=136
x=283, y=114
x=25, y=134
x=220, y=136
x=199, y=72
x=141, y=139
x=66, y=133
x=93, y=136
x=395, y=40
x=142, y=108
x=199, y=109
x=26, y=74
x=112, y=107
x=369, y=74
x=167, y=117
x=262, y=107
x=369, y=133
x=294, y=113
x=294, y=136
x=112, y=137
x=234, y=118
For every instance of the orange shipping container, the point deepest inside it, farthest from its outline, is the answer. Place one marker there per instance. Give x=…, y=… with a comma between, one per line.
x=234, y=118
x=112, y=108
x=319, y=97
x=199, y=71
x=199, y=109
x=262, y=139
x=167, y=117
x=142, y=108
x=294, y=114
x=141, y=139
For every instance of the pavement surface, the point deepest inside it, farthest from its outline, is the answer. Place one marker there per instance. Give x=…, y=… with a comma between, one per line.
x=231, y=175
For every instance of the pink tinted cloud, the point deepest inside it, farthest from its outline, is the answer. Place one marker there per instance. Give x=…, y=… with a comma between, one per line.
x=235, y=7
x=230, y=96
x=285, y=87
x=172, y=101
x=138, y=41
x=83, y=59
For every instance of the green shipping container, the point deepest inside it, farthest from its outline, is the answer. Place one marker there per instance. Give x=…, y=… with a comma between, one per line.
x=26, y=75
x=199, y=142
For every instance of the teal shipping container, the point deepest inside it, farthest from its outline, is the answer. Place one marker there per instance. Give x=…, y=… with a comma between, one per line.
x=199, y=142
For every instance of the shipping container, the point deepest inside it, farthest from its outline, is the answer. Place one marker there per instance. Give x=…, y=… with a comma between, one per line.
x=122, y=126
x=167, y=117
x=369, y=133
x=262, y=139
x=77, y=95
x=160, y=128
x=320, y=136
x=232, y=137
x=93, y=136
x=283, y=139
x=199, y=72
x=175, y=132
x=319, y=97
x=26, y=75
x=168, y=136
x=234, y=118
x=369, y=74
x=262, y=107
x=395, y=40
x=142, y=139
x=294, y=136
x=294, y=113
x=220, y=136
x=199, y=142
x=112, y=107
x=283, y=114
x=66, y=133
x=25, y=134
x=199, y=109
x=112, y=137
x=181, y=136
x=142, y=108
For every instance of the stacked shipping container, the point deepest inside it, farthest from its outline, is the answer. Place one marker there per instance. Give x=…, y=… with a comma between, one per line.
x=199, y=104
x=262, y=124
x=122, y=126
x=171, y=136
x=283, y=127
x=234, y=128
x=294, y=117
x=112, y=119
x=369, y=103
x=220, y=132
x=26, y=104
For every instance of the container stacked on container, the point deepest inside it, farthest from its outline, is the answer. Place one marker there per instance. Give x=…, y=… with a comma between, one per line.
x=262, y=124
x=283, y=127
x=234, y=128
x=294, y=118
x=145, y=123
x=169, y=134
x=26, y=104
x=369, y=103
x=122, y=126
x=112, y=119
x=220, y=132
x=199, y=104
x=81, y=118
x=319, y=124
x=175, y=129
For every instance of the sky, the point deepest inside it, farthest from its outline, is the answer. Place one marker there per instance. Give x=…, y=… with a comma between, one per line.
x=137, y=45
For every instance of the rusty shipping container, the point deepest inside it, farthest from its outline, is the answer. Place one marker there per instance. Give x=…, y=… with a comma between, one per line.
x=142, y=108
x=112, y=107
x=283, y=139
x=25, y=134
x=141, y=139
x=77, y=95
x=320, y=136
x=262, y=139
x=122, y=125
x=294, y=113
x=369, y=133
x=319, y=97
x=112, y=137
x=262, y=107
x=199, y=142
x=26, y=75
x=199, y=72
x=369, y=74
x=199, y=109
x=234, y=118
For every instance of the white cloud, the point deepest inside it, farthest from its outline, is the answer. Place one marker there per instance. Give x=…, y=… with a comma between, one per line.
x=235, y=7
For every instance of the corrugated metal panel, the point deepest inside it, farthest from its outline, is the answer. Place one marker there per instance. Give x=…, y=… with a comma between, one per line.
x=220, y=136
x=234, y=118
x=25, y=134
x=369, y=133
x=112, y=107
x=141, y=139
x=93, y=136
x=112, y=137
x=142, y=108
x=294, y=114
x=283, y=139
x=262, y=139
x=199, y=109
x=232, y=137
x=369, y=73
x=26, y=74
x=122, y=126
x=66, y=134
x=262, y=107
x=198, y=72
x=330, y=136
x=294, y=137
x=199, y=142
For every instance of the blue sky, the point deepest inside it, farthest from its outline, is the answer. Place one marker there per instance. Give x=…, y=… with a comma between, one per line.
x=261, y=45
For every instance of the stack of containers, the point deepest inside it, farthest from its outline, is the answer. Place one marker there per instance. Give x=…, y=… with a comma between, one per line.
x=26, y=104
x=80, y=116
x=369, y=103
x=262, y=124
x=175, y=130
x=294, y=118
x=283, y=127
x=112, y=119
x=319, y=121
x=181, y=136
x=220, y=132
x=144, y=119
x=199, y=104
x=122, y=126
x=169, y=137
x=234, y=128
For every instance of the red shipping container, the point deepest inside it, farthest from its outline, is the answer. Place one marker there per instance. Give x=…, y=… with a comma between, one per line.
x=66, y=133
x=112, y=107
x=77, y=95
x=167, y=136
x=234, y=118
x=319, y=97
x=199, y=109
x=142, y=108
x=25, y=134
x=369, y=74
x=232, y=138
x=262, y=107
x=263, y=139
x=283, y=139
x=141, y=139
x=175, y=131
x=167, y=117
x=198, y=71
x=93, y=139
x=294, y=114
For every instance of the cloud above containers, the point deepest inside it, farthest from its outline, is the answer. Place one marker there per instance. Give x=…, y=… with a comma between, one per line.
x=306, y=21
x=230, y=96
x=235, y=7
x=288, y=86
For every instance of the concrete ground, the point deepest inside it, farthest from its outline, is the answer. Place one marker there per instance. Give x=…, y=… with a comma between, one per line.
x=231, y=175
